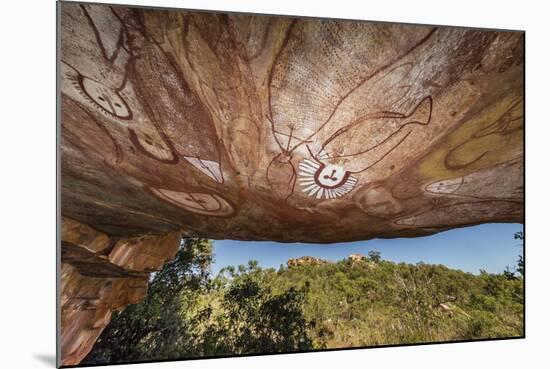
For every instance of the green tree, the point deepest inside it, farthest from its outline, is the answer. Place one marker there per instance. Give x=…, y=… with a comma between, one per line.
x=521, y=264
x=509, y=274
x=188, y=314
x=254, y=319
x=154, y=329
x=374, y=256
x=246, y=309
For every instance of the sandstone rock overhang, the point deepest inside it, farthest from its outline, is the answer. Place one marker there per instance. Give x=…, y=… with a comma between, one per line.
x=228, y=126
x=277, y=128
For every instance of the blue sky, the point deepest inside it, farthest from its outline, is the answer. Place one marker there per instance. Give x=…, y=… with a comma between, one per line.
x=488, y=246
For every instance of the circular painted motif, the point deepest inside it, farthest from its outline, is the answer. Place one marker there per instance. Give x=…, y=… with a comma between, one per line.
x=325, y=180
x=196, y=202
x=331, y=176
x=106, y=99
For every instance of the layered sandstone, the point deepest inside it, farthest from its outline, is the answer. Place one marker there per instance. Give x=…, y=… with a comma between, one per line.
x=100, y=274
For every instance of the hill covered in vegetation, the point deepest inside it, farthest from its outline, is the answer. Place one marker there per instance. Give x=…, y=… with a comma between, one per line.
x=307, y=305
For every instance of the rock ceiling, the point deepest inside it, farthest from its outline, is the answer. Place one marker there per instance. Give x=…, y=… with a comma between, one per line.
x=276, y=128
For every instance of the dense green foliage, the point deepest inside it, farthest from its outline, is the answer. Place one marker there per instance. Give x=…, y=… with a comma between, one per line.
x=367, y=303
x=243, y=310
x=157, y=326
x=187, y=314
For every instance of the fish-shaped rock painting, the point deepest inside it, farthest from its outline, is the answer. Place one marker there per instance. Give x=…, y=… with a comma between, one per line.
x=458, y=213
x=356, y=148
x=488, y=183
x=306, y=96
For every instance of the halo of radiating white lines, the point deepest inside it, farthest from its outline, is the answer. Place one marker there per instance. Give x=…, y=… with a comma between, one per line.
x=306, y=177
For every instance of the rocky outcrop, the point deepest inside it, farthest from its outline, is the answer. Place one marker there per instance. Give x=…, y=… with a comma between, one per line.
x=305, y=260
x=356, y=258
x=247, y=127
x=361, y=260
x=100, y=274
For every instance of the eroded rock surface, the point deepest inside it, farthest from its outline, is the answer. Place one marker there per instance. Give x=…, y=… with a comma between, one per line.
x=271, y=128
x=305, y=260
x=99, y=275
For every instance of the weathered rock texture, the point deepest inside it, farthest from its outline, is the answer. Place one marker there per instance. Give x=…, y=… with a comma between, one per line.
x=276, y=128
x=100, y=274
x=305, y=260
x=357, y=258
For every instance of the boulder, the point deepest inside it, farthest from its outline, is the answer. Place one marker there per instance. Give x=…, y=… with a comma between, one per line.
x=305, y=260
x=356, y=258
